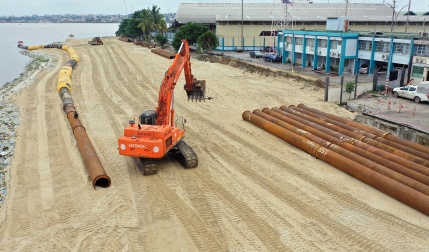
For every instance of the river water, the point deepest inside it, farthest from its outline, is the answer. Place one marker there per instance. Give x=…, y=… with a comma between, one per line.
x=12, y=62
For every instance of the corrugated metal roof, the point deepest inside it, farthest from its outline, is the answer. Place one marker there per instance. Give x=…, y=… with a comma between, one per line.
x=212, y=12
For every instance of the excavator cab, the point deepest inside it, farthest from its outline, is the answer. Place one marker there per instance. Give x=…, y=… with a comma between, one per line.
x=148, y=117
x=198, y=91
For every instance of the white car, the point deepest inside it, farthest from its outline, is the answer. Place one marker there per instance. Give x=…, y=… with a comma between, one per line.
x=418, y=93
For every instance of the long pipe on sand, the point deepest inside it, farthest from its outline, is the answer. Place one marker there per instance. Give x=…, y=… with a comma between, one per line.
x=64, y=86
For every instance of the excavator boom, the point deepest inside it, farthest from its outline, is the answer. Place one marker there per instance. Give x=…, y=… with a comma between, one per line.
x=194, y=88
x=154, y=134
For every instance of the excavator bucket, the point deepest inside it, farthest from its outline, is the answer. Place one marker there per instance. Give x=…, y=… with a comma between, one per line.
x=198, y=91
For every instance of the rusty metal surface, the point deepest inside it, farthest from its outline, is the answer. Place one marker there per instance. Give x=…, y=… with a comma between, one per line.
x=379, y=136
x=367, y=151
x=89, y=156
x=406, y=153
x=345, y=152
x=350, y=137
x=163, y=53
x=391, y=187
x=372, y=130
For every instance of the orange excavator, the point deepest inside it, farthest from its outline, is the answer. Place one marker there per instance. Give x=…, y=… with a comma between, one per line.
x=154, y=134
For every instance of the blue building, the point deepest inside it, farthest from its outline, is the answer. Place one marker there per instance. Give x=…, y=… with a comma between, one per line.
x=344, y=52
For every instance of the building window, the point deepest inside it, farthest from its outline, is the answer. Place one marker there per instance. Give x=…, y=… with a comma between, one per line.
x=397, y=48
x=406, y=49
x=299, y=41
x=417, y=72
x=335, y=61
x=322, y=43
x=310, y=42
x=421, y=50
x=379, y=46
x=362, y=45
x=386, y=47
x=365, y=45
x=289, y=40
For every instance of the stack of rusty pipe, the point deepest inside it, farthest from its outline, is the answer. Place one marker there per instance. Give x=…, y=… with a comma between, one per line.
x=394, y=166
x=64, y=88
x=163, y=53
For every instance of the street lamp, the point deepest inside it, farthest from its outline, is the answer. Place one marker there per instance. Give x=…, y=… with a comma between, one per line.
x=397, y=14
x=408, y=14
x=393, y=13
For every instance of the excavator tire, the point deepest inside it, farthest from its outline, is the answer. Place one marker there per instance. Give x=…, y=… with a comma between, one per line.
x=184, y=154
x=147, y=166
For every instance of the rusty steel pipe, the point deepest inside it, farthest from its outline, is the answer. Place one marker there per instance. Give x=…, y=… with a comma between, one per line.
x=348, y=136
x=377, y=132
x=326, y=122
x=164, y=53
x=396, y=190
x=342, y=141
x=387, y=142
x=87, y=151
x=416, y=185
x=64, y=87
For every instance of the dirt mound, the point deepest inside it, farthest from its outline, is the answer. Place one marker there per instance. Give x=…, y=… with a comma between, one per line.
x=259, y=69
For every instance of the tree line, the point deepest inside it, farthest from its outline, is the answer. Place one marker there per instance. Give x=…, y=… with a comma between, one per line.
x=142, y=23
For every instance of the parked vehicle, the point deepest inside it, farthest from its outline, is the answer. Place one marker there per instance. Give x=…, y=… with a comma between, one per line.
x=271, y=57
x=239, y=49
x=418, y=93
x=364, y=68
x=256, y=54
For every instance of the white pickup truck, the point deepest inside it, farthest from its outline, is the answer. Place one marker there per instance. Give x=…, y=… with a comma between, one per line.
x=418, y=93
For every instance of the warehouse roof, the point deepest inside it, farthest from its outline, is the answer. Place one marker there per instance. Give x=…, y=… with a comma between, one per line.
x=218, y=12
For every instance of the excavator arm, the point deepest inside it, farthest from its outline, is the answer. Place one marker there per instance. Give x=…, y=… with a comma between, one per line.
x=194, y=88
x=154, y=135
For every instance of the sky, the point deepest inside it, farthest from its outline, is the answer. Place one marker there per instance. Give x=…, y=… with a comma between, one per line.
x=32, y=7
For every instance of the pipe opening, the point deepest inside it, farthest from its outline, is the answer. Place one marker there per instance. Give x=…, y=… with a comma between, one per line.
x=102, y=181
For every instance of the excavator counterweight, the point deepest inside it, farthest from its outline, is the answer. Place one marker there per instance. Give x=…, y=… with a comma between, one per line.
x=154, y=134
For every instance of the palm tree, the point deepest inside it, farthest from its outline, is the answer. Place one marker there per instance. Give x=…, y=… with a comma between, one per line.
x=158, y=19
x=150, y=20
x=145, y=21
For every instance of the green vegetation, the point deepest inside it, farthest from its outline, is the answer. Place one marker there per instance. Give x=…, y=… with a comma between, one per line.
x=208, y=41
x=145, y=22
x=160, y=39
x=191, y=32
x=350, y=87
x=142, y=23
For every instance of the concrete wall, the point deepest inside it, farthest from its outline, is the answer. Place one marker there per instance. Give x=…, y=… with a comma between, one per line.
x=398, y=130
x=334, y=92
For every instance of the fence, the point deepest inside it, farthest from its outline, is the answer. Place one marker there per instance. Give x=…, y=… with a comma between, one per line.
x=337, y=88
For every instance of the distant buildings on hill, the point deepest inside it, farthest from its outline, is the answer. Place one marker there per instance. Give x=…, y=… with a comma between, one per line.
x=72, y=18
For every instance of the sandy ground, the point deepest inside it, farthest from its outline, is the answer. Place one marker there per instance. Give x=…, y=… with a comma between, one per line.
x=250, y=192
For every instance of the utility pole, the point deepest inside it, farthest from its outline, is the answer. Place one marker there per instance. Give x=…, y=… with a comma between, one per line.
x=242, y=38
x=227, y=30
x=393, y=13
x=347, y=5
x=408, y=15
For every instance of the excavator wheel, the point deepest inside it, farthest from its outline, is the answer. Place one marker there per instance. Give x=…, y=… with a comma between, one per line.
x=147, y=166
x=184, y=154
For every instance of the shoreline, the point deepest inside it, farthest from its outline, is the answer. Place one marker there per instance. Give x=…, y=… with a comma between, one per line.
x=10, y=116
